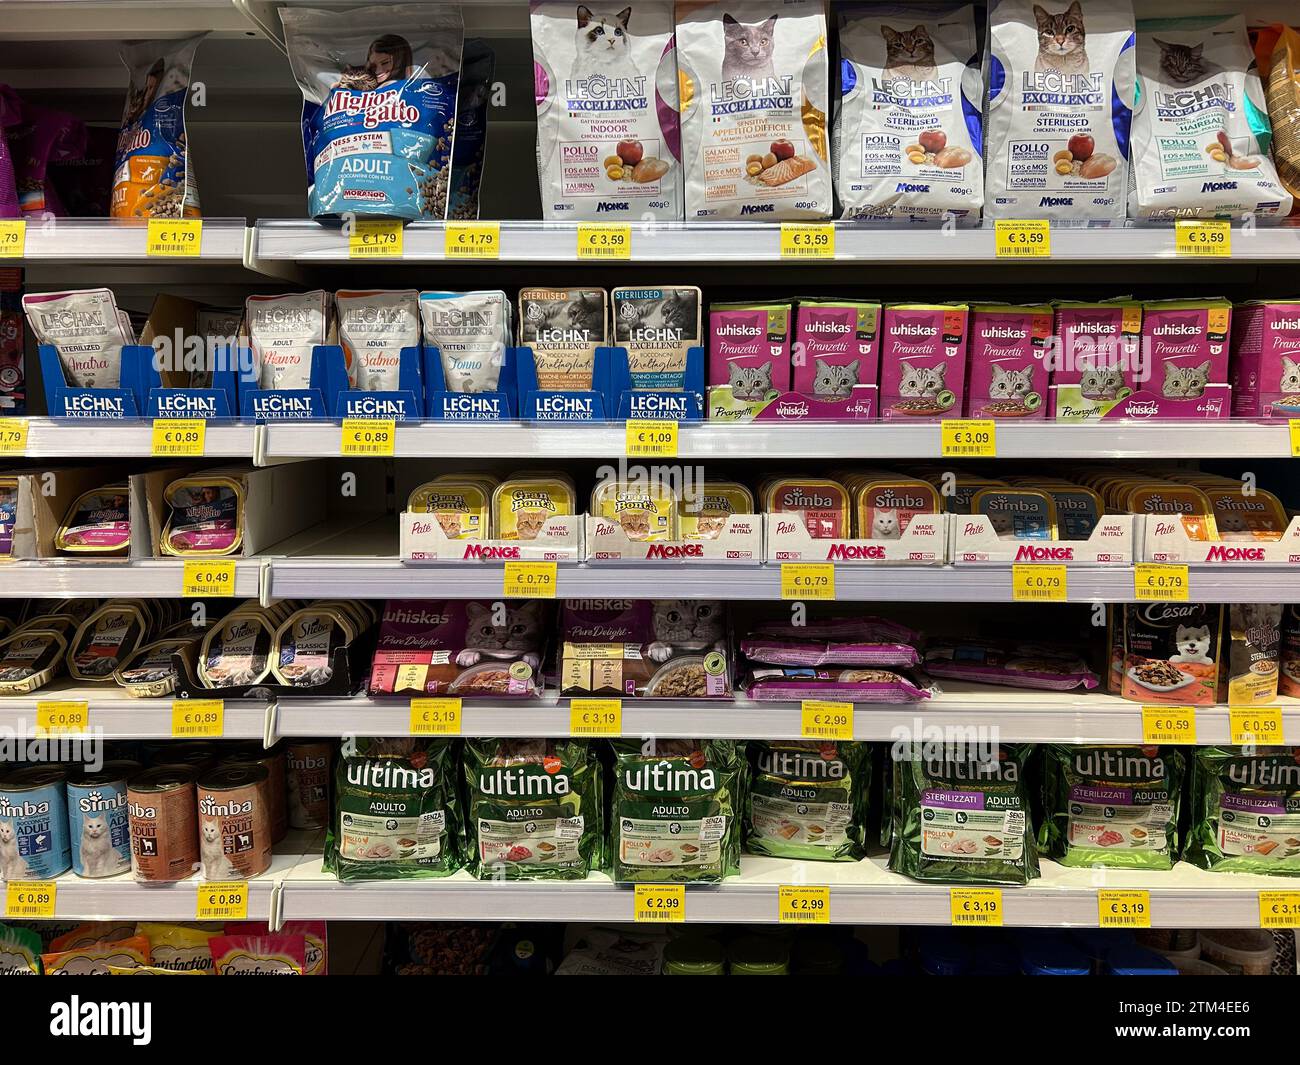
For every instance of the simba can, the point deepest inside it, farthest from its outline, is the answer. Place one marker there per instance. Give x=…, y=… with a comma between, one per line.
x=98, y=821
x=234, y=821
x=308, y=782
x=164, y=827
x=272, y=760
x=34, y=824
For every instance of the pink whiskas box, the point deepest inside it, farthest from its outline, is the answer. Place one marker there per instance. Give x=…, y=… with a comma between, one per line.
x=923, y=361
x=1265, y=366
x=1094, y=344
x=1008, y=364
x=1185, y=352
x=749, y=349
x=836, y=347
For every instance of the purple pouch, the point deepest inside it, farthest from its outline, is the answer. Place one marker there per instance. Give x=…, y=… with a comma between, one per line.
x=854, y=685
x=840, y=641
x=837, y=347
x=749, y=348
x=1016, y=666
x=46, y=137
x=84, y=187
x=11, y=114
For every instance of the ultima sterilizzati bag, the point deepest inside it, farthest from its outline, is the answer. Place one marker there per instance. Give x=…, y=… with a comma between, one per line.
x=1201, y=132
x=754, y=104
x=379, y=91
x=608, y=141
x=907, y=137
x=1059, y=110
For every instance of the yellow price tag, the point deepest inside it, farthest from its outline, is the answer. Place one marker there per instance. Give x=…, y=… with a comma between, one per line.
x=976, y=906
x=1294, y=426
x=194, y=718
x=173, y=238
x=178, y=436
x=1279, y=909
x=821, y=720
x=800, y=904
x=472, y=240
x=1124, y=909
x=1161, y=581
x=651, y=439
x=222, y=900
x=596, y=717
x=214, y=579
x=30, y=898
x=804, y=241
x=435, y=717
x=1039, y=584
x=529, y=580
x=375, y=238
x=1255, y=725
x=604, y=240
x=807, y=580
x=13, y=436
x=1202, y=239
x=13, y=238
x=659, y=903
x=1022, y=238
x=1169, y=724
x=54, y=715
x=968, y=438
x=368, y=436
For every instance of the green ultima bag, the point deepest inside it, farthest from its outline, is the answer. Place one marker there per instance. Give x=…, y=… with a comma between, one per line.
x=1111, y=805
x=1246, y=810
x=963, y=820
x=535, y=809
x=676, y=811
x=807, y=799
x=396, y=811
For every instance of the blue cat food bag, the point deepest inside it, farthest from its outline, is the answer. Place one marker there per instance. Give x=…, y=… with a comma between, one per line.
x=379, y=89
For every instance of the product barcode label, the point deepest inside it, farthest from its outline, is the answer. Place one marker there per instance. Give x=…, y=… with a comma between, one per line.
x=1161, y=582
x=194, y=718
x=1039, y=583
x=659, y=903
x=1022, y=238
x=803, y=904
x=969, y=438
x=1279, y=909
x=976, y=907
x=1124, y=909
x=30, y=898
x=174, y=237
x=222, y=900
x=822, y=720
x=1169, y=724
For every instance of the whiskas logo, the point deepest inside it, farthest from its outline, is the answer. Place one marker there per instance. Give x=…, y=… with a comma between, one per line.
x=1030, y=553
x=1221, y=553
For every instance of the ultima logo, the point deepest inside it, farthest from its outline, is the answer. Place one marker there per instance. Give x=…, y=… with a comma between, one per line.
x=479, y=551
x=1030, y=553
x=675, y=551
x=1221, y=553
x=850, y=551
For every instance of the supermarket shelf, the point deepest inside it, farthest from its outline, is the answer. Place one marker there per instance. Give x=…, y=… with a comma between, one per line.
x=1001, y=715
x=1121, y=440
x=115, y=715
x=160, y=578
x=860, y=892
x=116, y=20
x=48, y=438
x=80, y=241
x=306, y=241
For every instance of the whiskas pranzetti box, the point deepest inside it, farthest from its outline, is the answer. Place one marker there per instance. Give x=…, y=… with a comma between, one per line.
x=923, y=361
x=1265, y=366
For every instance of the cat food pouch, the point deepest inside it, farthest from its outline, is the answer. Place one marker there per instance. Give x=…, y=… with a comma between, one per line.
x=252, y=955
x=1252, y=644
x=534, y=809
x=961, y=814
x=1009, y=663
x=152, y=173
x=907, y=138
x=282, y=330
x=396, y=811
x=373, y=328
x=471, y=330
x=95, y=959
x=45, y=137
x=836, y=346
x=87, y=331
x=177, y=948
x=1186, y=345
x=857, y=684
x=1112, y=806
x=1265, y=367
x=657, y=326
x=454, y=647
x=11, y=114
x=1288, y=682
x=1200, y=130
x=749, y=349
x=1171, y=653
x=807, y=799
x=1061, y=86
x=1008, y=368
x=608, y=140
x=316, y=934
x=864, y=641
x=671, y=648
x=1282, y=93
x=20, y=952
x=754, y=103
x=1246, y=810
x=676, y=811
x=379, y=91
x=923, y=361
x=469, y=152
x=564, y=327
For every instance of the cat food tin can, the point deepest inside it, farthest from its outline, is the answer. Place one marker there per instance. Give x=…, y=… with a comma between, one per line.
x=164, y=823
x=34, y=824
x=1018, y=513
x=273, y=761
x=307, y=782
x=643, y=510
x=822, y=505
x=98, y=821
x=461, y=507
x=521, y=506
x=704, y=515
x=886, y=508
x=234, y=822
x=305, y=645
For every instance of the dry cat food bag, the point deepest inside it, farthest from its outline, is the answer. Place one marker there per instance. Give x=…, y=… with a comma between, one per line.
x=1059, y=108
x=1282, y=91
x=1246, y=810
x=1200, y=130
x=471, y=330
x=807, y=799
x=379, y=106
x=608, y=142
x=907, y=137
x=88, y=331
x=374, y=327
x=152, y=176
x=282, y=330
x=754, y=92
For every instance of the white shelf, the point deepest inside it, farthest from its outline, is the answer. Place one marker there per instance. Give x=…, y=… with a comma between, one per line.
x=115, y=715
x=861, y=893
x=117, y=20
x=49, y=438
x=157, y=578
x=79, y=241
x=876, y=440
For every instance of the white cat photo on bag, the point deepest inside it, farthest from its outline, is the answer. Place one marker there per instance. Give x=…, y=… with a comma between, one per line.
x=608, y=140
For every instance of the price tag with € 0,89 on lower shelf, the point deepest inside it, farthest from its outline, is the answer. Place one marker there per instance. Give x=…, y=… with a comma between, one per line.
x=651, y=439
x=213, y=579
x=1022, y=238
x=13, y=238
x=659, y=903
x=596, y=717
x=435, y=717
x=198, y=718
x=178, y=436
x=529, y=580
x=1124, y=909
x=1161, y=582
x=1202, y=238
x=222, y=900
x=59, y=715
x=803, y=904
x=807, y=580
x=375, y=238
x=822, y=720
x=13, y=436
x=603, y=240
x=472, y=240
x=174, y=238
x=976, y=906
x=1279, y=909
x=375, y=437
x=1039, y=583
x=807, y=241
x=1169, y=724
x=30, y=898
